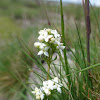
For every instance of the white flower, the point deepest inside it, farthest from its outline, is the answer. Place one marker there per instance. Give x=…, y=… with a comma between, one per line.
x=56, y=79
x=37, y=44
x=48, y=37
x=50, y=85
x=36, y=90
x=39, y=94
x=42, y=46
x=52, y=40
x=48, y=30
x=42, y=96
x=46, y=91
x=44, y=51
x=55, y=33
x=45, y=83
x=49, y=40
x=38, y=97
x=59, y=89
x=60, y=47
x=43, y=33
x=41, y=38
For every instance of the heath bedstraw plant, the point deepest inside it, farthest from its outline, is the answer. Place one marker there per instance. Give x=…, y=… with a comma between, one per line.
x=47, y=88
x=49, y=43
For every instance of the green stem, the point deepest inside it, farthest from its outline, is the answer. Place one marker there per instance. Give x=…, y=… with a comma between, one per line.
x=48, y=70
x=49, y=62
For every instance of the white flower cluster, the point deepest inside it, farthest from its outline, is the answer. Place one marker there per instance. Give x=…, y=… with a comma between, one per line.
x=48, y=87
x=49, y=40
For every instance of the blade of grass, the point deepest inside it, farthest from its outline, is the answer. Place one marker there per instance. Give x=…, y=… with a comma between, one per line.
x=87, y=68
x=63, y=37
x=80, y=42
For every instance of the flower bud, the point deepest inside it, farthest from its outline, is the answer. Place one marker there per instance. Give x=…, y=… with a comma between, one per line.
x=37, y=44
x=41, y=38
x=48, y=30
x=52, y=40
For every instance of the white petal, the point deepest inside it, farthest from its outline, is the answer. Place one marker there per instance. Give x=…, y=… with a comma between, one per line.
x=62, y=47
x=45, y=83
x=59, y=89
x=49, y=36
x=52, y=40
x=47, y=39
x=40, y=52
x=41, y=38
x=42, y=96
x=33, y=92
x=37, y=97
x=46, y=54
x=46, y=48
x=47, y=92
x=41, y=32
x=56, y=79
x=42, y=46
x=37, y=44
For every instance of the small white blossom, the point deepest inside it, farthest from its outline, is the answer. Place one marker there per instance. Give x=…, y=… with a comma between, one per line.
x=43, y=51
x=43, y=32
x=52, y=40
x=39, y=94
x=46, y=91
x=37, y=44
x=60, y=46
x=50, y=84
x=36, y=90
x=56, y=80
x=41, y=38
x=48, y=37
x=59, y=89
x=42, y=46
x=56, y=35
x=47, y=88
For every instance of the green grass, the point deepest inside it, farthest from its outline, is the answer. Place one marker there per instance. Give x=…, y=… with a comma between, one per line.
x=8, y=27
x=12, y=15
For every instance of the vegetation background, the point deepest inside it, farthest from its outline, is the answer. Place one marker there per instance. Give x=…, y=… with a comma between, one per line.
x=20, y=20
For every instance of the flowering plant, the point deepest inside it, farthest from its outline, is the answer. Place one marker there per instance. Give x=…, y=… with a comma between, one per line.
x=49, y=42
x=47, y=88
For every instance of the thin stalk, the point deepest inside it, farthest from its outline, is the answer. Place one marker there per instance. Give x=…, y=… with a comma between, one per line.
x=88, y=32
x=97, y=21
x=62, y=28
x=49, y=62
x=63, y=37
x=80, y=42
x=48, y=71
x=46, y=13
x=88, y=27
